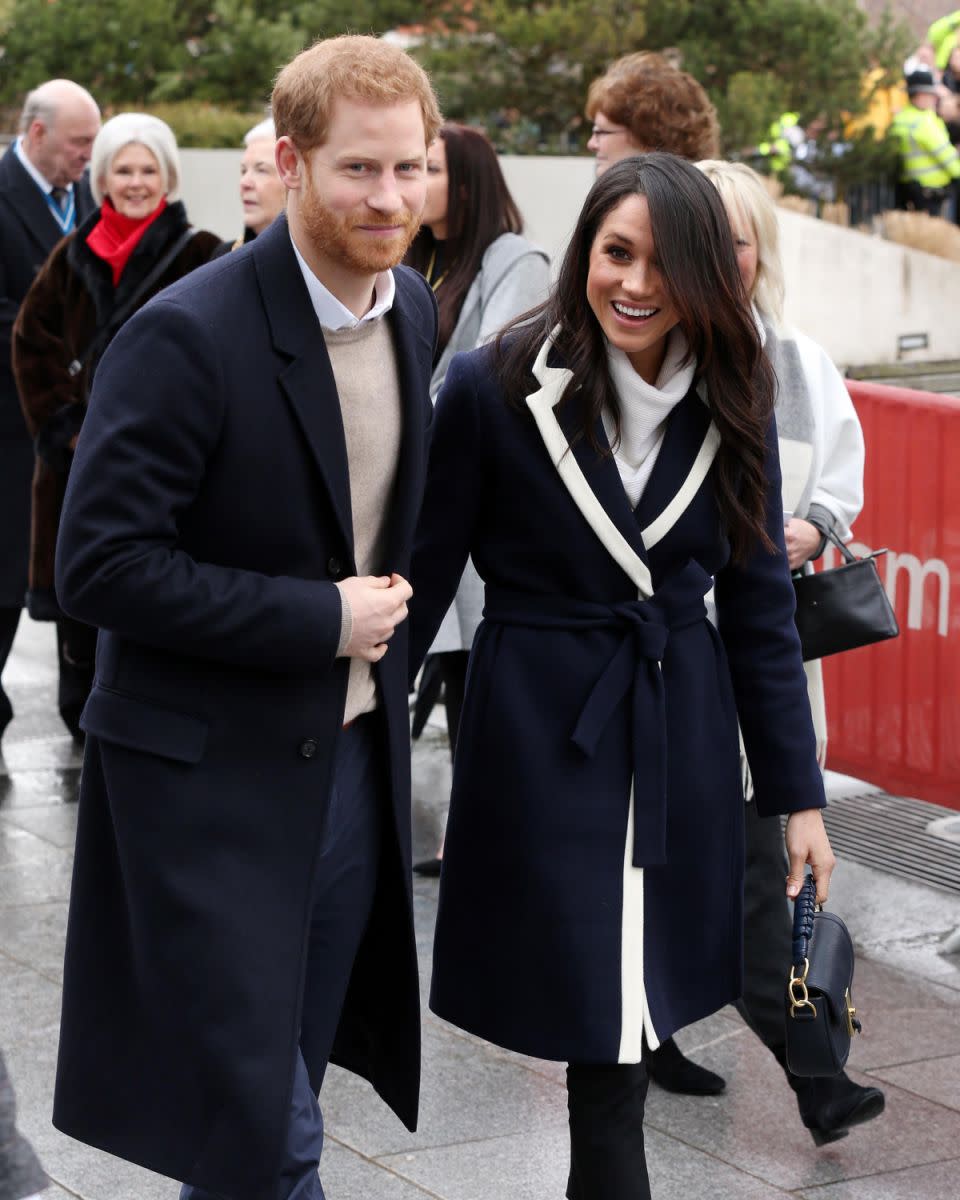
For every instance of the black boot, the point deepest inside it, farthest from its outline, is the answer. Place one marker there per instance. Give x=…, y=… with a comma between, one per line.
x=832, y=1105
x=607, y=1156
x=668, y=1067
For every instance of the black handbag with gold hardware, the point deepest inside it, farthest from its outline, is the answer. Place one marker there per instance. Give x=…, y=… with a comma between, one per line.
x=821, y=1018
x=844, y=607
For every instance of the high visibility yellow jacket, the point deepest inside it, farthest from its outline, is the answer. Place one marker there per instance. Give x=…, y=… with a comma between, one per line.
x=942, y=36
x=927, y=156
x=779, y=145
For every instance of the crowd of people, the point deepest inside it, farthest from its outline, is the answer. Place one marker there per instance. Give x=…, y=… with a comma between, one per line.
x=924, y=120
x=256, y=484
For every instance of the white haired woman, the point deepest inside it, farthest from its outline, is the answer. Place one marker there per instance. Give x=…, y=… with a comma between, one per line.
x=136, y=243
x=262, y=194
x=822, y=454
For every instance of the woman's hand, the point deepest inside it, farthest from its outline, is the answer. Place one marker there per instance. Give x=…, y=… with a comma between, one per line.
x=802, y=540
x=807, y=842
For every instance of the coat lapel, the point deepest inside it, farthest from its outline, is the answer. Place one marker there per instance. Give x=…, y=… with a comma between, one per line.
x=414, y=352
x=307, y=379
x=28, y=205
x=689, y=447
x=592, y=480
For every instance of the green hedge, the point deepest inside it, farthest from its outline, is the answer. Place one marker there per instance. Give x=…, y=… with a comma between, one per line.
x=196, y=123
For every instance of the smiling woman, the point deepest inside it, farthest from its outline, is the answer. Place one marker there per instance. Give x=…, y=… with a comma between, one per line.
x=134, y=182
x=136, y=243
x=626, y=289
x=606, y=463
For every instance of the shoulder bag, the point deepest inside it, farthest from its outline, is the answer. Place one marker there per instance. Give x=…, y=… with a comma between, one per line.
x=820, y=1019
x=844, y=607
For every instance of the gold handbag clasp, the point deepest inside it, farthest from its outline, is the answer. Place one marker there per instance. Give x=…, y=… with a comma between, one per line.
x=853, y=1025
x=799, y=996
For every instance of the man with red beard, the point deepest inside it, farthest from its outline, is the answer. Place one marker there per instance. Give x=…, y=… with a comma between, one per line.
x=238, y=525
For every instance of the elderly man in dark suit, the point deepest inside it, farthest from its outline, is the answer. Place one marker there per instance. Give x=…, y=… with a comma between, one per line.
x=238, y=524
x=43, y=195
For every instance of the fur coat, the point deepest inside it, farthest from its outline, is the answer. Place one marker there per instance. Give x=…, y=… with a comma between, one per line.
x=71, y=300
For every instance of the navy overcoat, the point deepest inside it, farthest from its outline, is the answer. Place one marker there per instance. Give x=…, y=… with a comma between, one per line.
x=206, y=519
x=592, y=873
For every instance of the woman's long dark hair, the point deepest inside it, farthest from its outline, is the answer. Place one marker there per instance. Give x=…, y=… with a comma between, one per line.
x=479, y=209
x=694, y=245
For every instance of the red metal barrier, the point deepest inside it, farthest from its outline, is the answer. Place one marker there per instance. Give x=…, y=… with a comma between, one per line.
x=893, y=710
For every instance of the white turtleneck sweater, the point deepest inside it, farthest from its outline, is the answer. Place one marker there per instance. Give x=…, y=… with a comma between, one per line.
x=644, y=409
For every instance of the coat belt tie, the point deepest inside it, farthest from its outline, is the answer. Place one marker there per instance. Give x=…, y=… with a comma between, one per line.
x=634, y=670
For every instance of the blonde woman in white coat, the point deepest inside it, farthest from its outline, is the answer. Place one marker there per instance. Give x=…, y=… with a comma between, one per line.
x=484, y=273
x=822, y=454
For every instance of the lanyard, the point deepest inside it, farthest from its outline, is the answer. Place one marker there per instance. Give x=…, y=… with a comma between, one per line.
x=64, y=219
x=434, y=283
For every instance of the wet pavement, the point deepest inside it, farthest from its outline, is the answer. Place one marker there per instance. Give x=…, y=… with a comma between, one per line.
x=493, y=1124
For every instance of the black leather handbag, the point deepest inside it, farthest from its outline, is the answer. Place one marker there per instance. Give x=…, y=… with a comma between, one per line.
x=843, y=608
x=820, y=1018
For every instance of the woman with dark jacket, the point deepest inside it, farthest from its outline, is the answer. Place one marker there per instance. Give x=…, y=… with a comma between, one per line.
x=484, y=273
x=136, y=243
x=606, y=464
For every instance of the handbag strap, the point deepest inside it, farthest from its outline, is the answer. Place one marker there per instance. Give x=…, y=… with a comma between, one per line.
x=804, y=908
x=847, y=553
x=117, y=318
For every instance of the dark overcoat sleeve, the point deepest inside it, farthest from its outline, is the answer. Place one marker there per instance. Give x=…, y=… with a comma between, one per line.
x=755, y=616
x=9, y=305
x=451, y=505
x=152, y=429
x=52, y=398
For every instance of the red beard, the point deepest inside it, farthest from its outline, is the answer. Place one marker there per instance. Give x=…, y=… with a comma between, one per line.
x=334, y=235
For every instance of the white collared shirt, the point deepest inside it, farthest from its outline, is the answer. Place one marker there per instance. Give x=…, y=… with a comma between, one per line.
x=330, y=312
x=32, y=171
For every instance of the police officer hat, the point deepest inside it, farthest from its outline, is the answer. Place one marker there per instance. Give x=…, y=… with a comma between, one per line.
x=920, y=81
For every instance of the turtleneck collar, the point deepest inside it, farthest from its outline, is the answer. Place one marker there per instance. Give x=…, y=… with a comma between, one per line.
x=644, y=409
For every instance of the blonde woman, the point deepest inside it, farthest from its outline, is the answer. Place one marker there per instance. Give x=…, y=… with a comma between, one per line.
x=821, y=453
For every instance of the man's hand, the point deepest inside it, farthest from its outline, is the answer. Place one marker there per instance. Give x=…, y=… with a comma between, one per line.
x=807, y=842
x=378, y=603
x=802, y=540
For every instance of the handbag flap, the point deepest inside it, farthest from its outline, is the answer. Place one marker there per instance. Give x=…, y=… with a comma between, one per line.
x=831, y=961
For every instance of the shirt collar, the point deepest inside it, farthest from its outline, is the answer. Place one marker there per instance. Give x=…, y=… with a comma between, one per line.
x=333, y=315
x=32, y=171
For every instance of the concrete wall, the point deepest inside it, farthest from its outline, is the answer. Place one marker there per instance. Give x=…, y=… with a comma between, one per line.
x=853, y=293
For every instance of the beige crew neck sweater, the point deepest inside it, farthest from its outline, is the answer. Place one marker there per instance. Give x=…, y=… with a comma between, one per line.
x=365, y=370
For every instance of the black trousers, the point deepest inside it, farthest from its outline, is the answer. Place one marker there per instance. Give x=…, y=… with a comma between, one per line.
x=453, y=667
x=910, y=195
x=607, y=1157
x=767, y=929
x=9, y=620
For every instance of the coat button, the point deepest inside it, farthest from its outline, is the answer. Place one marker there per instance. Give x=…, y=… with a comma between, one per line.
x=309, y=747
x=334, y=568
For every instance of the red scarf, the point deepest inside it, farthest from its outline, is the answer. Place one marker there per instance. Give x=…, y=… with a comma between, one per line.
x=115, y=237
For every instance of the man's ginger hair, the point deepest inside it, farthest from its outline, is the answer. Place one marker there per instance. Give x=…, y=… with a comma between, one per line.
x=662, y=107
x=355, y=67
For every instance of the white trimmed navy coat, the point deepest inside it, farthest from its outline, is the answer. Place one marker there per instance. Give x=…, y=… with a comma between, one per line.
x=592, y=876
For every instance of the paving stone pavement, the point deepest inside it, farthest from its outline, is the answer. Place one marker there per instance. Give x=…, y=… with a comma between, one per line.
x=493, y=1124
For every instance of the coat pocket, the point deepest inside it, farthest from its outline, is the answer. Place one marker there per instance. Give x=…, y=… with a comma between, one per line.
x=141, y=725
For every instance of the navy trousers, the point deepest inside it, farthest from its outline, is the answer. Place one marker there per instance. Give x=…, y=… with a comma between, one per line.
x=342, y=902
